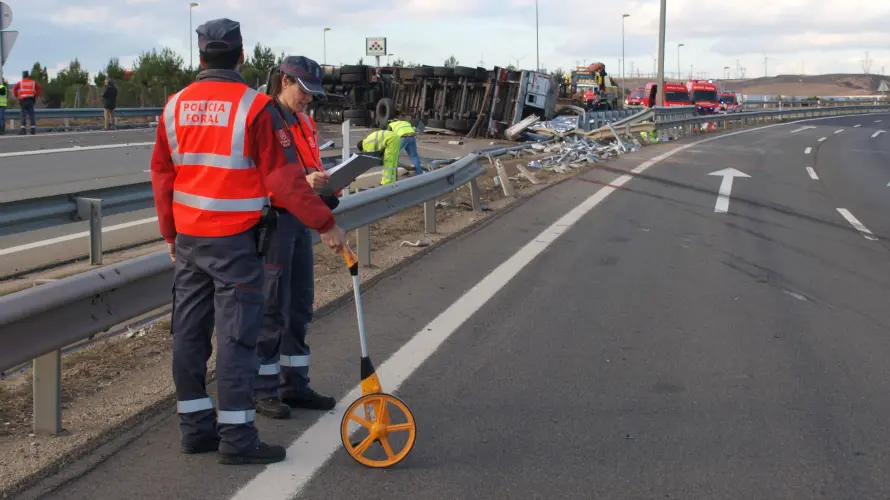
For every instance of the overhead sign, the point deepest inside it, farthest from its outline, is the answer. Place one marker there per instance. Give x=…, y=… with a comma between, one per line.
x=375, y=46
x=7, y=40
x=5, y=16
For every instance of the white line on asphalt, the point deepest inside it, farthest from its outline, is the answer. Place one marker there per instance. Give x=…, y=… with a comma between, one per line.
x=856, y=126
x=315, y=446
x=823, y=139
x=838, y=131
x=879, y=132
x=858, y=225
x=802, y=129
x=69, y=237
x=812, y=174
x=43, y=135
x=878, y=121
x=807, y=151
x=74, y=148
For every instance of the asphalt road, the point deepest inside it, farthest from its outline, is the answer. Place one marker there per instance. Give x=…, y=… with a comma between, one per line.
x=620, y=342
x=43, y=165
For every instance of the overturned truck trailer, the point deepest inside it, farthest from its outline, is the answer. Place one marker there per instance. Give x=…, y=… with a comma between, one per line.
x=474, y=102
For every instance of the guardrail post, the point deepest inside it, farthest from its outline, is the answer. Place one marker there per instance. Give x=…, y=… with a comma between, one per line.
x=47, y=379
x=347, y=147
x=475, y=195
x=429, y=216
x=363, y=244
x=91, y=209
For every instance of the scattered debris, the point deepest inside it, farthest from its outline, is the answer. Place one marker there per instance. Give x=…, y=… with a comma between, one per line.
x=417, y=243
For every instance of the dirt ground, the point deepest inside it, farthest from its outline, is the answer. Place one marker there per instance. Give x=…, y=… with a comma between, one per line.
x=104, y=384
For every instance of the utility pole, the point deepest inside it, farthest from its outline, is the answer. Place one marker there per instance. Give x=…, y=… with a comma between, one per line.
x=659, y=100
x=192, y=5
x=765, y=60
x=623, y=60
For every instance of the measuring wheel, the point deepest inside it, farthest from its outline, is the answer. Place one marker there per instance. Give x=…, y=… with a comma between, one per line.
x=384, y=428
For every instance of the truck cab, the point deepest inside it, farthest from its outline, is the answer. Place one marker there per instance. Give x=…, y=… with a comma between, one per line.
x=675, y=94
x=704, y=94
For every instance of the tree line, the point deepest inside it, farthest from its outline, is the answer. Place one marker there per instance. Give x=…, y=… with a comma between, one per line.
x=154, y=76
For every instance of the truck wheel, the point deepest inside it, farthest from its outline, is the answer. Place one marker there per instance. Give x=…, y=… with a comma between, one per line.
x=353, y=78
x=353, y=70
x=435, y=123
x=442, y=71
x=386, y=111
x=458, y=125
x=425, y=71
x=465, y=72
x=481, y=74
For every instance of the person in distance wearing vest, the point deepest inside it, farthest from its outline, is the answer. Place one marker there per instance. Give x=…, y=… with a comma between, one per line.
x=387, y=142
x=221, y=151
x=408, y=137
x=283, y=381
x=26, y=93
x=4, y=101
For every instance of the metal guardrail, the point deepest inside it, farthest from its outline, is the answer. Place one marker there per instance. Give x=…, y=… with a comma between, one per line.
x=36, y=323
x=91, y=112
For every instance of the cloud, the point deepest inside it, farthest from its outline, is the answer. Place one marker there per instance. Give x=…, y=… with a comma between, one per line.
x=793, y=33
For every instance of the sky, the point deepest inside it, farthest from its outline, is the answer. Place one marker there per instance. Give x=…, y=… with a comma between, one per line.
x=795, y=36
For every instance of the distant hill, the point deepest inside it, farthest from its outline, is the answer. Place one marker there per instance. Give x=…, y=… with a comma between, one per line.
x=799, y=85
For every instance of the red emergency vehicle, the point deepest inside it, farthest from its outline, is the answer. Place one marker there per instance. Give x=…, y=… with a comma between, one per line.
x=675, y=94
x=729, y=102
x=704, y=94
x=636, y=98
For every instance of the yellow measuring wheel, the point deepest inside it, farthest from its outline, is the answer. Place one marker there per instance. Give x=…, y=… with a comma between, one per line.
x=383, y=423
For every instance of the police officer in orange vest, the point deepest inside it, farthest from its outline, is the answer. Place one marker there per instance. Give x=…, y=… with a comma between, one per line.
x=283, y=381
x=222, y=149
x=26, y=92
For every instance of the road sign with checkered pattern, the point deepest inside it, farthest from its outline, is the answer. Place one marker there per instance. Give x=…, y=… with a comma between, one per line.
x=375, y=46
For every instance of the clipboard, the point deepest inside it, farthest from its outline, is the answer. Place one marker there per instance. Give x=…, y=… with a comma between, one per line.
x=344, y=173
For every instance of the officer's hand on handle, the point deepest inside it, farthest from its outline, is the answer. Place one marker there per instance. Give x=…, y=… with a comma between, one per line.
x=171, y=247
x=317, y=180
x=335, y=238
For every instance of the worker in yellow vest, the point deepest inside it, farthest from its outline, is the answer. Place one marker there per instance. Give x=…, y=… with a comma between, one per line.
x=388, y=143
x=4, y=101
x=408, y=138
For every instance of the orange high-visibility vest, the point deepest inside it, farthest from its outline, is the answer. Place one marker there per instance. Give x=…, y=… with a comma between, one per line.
x=218, y=189
x=27, y=88
x=306, y=135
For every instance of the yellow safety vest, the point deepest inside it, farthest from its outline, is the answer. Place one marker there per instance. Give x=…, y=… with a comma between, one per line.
x=401, y=128
x=384, y=140
x=3, y=96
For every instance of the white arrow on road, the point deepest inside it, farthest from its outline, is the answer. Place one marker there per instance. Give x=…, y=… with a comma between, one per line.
x=879, y=132
x=802, y=129
x=726, y=187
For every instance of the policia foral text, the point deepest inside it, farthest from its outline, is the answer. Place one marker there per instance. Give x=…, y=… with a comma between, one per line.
x=221, y=153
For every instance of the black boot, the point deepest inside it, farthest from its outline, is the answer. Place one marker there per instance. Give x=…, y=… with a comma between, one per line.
x=262, y=454
x=205, y=445
x=272, y=408
x=33, y=131
x=22, y=131
x=308, y=399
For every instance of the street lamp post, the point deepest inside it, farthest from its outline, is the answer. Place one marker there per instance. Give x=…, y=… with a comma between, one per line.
x=679, y=74
x=324, y=35
x=537, y=41
x=192, y=5
x=623, y=60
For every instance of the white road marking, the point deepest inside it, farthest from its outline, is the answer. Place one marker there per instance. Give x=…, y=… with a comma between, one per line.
x=728, y=174
x=795, y=295
x=823, y=139
x=878, y=121
x=69, y=237
x=879, y=132
x=858, y=225
x=856, y=126
x=75, y=148
x=812, y=174
x=838, y=131
x=802, y=129
x=807, y=151
x=315, y=446
x=81, y=132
